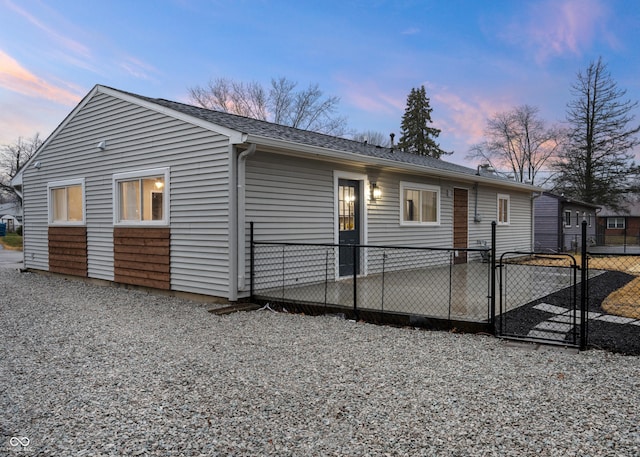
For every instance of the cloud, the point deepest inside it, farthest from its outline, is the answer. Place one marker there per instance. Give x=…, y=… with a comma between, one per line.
x=67, y=43
x=18, y=79
x=464, y=118
x=559, y=27
x=137, y=68
x=369, y=97
x=411, y=31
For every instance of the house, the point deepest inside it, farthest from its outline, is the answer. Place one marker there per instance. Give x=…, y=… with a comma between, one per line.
x=619, y=227
x=558, y=221
x=11, y=215
x=155, y=193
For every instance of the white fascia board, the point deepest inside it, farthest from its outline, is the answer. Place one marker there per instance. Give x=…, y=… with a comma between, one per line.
x=304, y=150
x=235, y=136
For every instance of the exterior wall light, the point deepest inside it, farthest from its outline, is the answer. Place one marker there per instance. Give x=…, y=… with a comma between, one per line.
x=376, y=193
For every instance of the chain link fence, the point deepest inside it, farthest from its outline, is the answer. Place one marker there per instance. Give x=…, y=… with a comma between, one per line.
x=405, y=285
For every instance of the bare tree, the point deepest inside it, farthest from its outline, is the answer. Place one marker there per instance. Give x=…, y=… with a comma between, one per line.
x=12, y=159
x=518, y=141
x=306, y=109
x=596, y=165
x=372, y=137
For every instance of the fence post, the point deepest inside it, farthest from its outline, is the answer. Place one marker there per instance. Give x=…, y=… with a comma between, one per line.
x=584, y=275
x=356, y=266
x=492, y=286
x=251, y=261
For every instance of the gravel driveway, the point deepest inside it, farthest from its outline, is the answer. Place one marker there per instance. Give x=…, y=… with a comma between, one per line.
x=88, y=370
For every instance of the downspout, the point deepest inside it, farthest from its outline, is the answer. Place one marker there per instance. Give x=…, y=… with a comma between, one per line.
x=240, y=213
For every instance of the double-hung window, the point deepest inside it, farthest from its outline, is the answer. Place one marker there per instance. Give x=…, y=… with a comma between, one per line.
x=141, y=197
x=615, y=222
x=567, y=218
x=504, y=209
x=420, y=204
x=66, y=202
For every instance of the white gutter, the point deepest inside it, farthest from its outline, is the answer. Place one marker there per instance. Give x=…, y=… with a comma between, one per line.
x=240, y=214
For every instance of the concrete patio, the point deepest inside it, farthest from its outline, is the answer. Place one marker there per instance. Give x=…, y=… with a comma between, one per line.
x=451, y=292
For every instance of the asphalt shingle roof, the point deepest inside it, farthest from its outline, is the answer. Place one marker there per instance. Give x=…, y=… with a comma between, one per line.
x=305, y=137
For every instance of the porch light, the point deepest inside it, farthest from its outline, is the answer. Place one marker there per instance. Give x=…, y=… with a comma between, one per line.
x=159, y=184
x=376, y=193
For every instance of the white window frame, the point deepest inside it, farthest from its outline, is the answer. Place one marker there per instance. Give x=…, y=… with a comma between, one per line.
x=567, y=217
x=141, y=174
x=419, y=187
x=506, y=197
x=616, y=219
x=61, y=185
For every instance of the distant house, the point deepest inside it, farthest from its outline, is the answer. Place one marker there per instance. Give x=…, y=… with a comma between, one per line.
x=558, y=222
x=156, y=193
x=621, y=226
x=11, y=216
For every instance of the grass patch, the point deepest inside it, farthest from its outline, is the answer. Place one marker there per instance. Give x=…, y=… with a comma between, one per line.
x=624, y=301
x=11, y=241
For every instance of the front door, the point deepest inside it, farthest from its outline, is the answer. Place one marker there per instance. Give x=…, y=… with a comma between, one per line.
x=460, y=224
x=348, y=224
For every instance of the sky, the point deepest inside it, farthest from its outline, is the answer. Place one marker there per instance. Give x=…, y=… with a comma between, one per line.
x=474, y=57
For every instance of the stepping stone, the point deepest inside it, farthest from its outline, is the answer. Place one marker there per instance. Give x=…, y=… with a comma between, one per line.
x=562, y=318
x=590, y=314
x=615, y=319
x=554, y=326
x=546, y=335
x=635, y=323
x=550, y=308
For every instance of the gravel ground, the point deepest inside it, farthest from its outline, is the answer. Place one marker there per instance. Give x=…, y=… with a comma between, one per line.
x=622, y=338
x=88, y=370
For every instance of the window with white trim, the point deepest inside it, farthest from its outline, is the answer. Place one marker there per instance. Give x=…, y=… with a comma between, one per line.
x=504, y=209
x=589, y=219
x=141, y=197
x=66, y=202
x=567, y=218
x=615, y=222
x=420, y=204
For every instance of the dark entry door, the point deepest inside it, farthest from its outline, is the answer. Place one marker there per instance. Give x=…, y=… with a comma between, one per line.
x=460, y=224
x=348, y=223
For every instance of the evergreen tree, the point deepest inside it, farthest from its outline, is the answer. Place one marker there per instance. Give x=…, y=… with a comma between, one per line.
x=596, y=165
x=417, y=136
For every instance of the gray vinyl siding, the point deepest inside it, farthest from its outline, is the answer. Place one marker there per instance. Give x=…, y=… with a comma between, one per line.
x=548, y=222
x=138, y=139
x=517, y=235
x=290, y=199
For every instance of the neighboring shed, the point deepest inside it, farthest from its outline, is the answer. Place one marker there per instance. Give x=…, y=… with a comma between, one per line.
x=157, y=193
x=558, y=222
x=618, y=227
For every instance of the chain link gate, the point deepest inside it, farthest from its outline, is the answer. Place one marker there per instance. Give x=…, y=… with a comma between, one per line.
x=539, y=298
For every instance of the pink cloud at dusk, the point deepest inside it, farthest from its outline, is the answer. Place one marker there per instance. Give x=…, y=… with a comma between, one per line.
x=16, y=78
x=463, y=118
x=368, y=97
x=555, y=28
